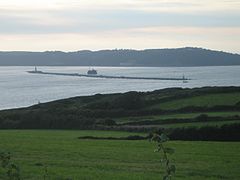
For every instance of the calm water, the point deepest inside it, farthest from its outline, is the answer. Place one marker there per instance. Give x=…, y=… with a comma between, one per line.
x=19, y=88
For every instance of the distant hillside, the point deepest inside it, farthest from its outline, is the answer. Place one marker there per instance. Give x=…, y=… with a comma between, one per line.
x=151, y=57
x=131, y=107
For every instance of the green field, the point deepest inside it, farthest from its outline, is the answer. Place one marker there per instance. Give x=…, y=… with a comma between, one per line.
x=199, y=124
x=209, y=100
x=175, y=116
x=103, y=111
x=180, y=117
x=68, y=157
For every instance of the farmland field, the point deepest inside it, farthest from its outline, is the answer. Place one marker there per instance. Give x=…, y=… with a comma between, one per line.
x=172, y=116
x=66, y=156
x=203, y=100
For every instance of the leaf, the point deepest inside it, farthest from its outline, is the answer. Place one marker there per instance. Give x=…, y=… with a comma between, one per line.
x=164, y=138
x=165, y=177
x=169, y=150
x=156, y=138
x=156, y=150
x=172, y=168
x=159, y=148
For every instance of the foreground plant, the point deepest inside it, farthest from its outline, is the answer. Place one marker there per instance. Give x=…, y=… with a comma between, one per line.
x=11, y=169
x=169, y=167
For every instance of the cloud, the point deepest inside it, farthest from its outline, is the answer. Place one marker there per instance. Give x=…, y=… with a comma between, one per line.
x=150, y=5
x=139, y=38
x=74, y=21
x=93, y=24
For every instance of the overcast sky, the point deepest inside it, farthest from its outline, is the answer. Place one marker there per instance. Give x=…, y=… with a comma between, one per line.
x=69, y=25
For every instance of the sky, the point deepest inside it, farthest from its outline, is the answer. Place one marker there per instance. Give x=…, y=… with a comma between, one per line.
x=71, y=25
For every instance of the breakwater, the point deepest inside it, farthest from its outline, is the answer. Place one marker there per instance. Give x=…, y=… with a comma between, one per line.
x=109, y=77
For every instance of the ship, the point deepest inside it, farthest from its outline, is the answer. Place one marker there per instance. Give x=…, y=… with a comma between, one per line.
x=92, y=72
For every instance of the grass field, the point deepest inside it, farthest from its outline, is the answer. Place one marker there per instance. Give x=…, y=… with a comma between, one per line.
x=173, y=116
x=66, y=156
x=199, y=124
x=105, y=110
x=209, y=100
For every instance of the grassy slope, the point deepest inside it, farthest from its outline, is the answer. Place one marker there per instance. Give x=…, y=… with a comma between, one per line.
x=203, y=100
x=66, y=156
x=179, y=98
x=113, y=106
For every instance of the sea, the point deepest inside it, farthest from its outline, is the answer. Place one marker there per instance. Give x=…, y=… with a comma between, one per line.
x=18, y=88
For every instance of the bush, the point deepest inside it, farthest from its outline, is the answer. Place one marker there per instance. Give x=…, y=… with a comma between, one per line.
x=230, y=132
x=107, y=122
